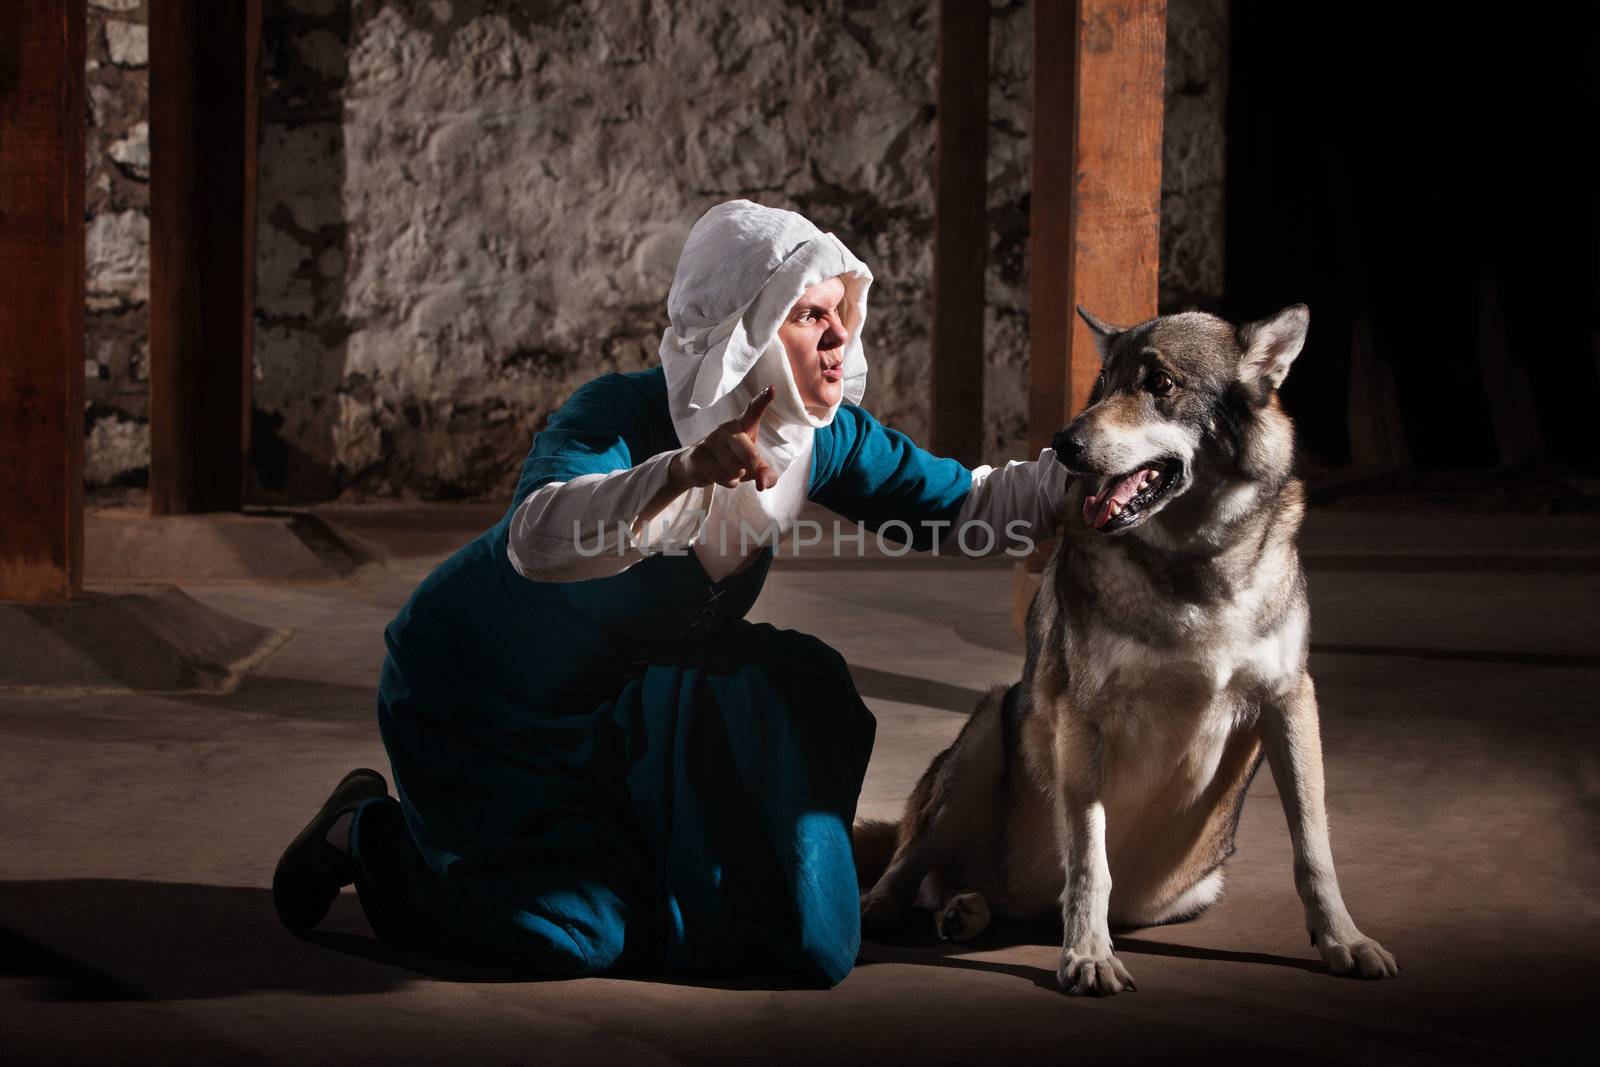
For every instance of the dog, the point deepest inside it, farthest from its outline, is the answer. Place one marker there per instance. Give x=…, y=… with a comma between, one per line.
x=1166, y=651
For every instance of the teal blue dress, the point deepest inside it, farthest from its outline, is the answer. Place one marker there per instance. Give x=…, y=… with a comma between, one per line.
x=623, y=772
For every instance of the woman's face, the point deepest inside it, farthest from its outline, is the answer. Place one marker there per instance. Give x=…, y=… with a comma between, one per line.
x=814, y=335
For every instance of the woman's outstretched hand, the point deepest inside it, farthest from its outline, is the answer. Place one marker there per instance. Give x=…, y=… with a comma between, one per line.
x=728, y=455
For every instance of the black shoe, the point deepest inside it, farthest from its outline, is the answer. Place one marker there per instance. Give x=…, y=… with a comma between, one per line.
x=311, y=872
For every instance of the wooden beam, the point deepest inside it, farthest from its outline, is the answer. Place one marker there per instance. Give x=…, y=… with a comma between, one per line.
x=1095, y=205
x=961, y=232
x=1095, y=227
x=1372, y=412
x=41, y=299
x=203, y=62
x=1505, y=379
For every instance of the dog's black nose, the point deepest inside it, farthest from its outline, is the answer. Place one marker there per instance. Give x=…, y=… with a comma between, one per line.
x=1069, y=450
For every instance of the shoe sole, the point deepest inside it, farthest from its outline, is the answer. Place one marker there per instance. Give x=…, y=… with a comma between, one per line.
x=299, y=901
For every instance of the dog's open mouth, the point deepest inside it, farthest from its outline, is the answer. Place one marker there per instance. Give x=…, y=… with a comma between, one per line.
x=1125, y=499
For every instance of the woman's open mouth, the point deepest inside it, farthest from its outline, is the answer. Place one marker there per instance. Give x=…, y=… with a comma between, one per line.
x=1125, y=499
x=834, y=372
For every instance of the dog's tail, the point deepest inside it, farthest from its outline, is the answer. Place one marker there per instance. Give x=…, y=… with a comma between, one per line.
x=874, y=841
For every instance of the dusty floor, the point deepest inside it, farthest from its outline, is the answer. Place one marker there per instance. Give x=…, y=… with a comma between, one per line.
x=1457, y=662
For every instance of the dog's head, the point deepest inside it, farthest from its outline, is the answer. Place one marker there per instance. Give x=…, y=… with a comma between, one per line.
x=1182, y=400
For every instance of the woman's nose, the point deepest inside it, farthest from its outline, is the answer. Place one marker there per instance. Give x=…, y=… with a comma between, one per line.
x=834, y=336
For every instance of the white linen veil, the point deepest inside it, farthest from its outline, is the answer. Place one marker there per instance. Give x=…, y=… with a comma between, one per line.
x=742, y=269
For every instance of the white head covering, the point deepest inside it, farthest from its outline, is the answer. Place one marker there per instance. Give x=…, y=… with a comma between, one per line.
x=742, y=269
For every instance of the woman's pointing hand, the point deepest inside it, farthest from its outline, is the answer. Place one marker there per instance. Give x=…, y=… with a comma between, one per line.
x=728, y=455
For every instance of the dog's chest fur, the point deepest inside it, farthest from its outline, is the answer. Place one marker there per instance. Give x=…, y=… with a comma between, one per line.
x=1168, y=659
x=1170, y=670
x=1165, y=717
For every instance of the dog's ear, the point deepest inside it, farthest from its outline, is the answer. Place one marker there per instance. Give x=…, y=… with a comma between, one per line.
x=1104, y=333
x=1270, y=346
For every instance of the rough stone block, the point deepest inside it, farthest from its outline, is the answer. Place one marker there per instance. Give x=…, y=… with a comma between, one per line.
x=132, y=153
x=118, y=253
x=128, y=43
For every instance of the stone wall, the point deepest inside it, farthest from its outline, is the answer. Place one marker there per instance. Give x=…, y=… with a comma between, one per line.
x=117, y=446
x=1194, y=155
x=469, y=207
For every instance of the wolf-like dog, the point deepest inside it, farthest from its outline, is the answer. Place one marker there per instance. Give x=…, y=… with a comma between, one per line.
x=1166, y=650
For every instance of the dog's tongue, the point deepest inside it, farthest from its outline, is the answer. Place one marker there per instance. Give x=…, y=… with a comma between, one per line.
x=1097, y=509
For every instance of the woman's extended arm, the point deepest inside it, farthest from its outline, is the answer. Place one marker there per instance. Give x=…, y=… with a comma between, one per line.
x=1020, y=502
x=597, y=524
x=881, y=479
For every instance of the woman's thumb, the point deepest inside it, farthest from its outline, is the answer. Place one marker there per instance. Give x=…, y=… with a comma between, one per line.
x=756, y=408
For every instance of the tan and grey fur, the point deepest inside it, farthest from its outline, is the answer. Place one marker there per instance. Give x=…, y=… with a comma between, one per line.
x=1166, y=653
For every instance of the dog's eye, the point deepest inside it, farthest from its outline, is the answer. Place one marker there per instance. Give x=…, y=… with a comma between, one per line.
x=1158, y=383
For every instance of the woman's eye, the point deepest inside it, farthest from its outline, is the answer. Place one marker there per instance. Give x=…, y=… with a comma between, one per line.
x=804, y=318
x=1159, y=383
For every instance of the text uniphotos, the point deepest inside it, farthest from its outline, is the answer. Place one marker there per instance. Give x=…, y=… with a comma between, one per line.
x=893, y=538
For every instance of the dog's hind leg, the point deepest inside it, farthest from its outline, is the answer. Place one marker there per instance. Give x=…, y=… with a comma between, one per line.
x=951, y=818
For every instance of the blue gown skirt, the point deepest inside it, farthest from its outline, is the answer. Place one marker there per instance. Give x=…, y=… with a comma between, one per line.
x=691, y=817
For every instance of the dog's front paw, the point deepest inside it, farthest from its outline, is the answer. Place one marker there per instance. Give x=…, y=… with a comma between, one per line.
x=880, y=913
x=1092, y=976
x=1357, y=955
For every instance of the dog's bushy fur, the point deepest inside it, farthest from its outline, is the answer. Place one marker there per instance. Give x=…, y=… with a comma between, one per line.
x=1166, y=651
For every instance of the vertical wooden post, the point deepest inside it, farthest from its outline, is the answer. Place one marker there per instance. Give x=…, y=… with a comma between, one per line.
x=1505, y=381
x=961, y=232
x=1095, y=216
x=41, y=299
x=203, y=61
x=1095, y=235
x=1372, y=413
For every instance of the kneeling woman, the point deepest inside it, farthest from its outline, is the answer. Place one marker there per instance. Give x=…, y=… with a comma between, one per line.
x=597, y=761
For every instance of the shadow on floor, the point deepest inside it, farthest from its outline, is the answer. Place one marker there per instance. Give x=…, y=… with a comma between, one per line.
x=100, y=940
x=112, y=939
x=97, y=940
x=913, y=941
x=924, y=692
x=1459, y=655
x=54, y=976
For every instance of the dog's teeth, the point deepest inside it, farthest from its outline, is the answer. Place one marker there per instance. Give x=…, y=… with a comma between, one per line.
x=1115, y=508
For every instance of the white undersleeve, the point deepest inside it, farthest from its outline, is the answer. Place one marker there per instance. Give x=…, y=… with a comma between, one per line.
x=589, y=527
x=1022, y=499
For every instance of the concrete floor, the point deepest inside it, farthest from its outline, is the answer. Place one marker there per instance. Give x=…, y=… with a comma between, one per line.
x=1457, y=662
